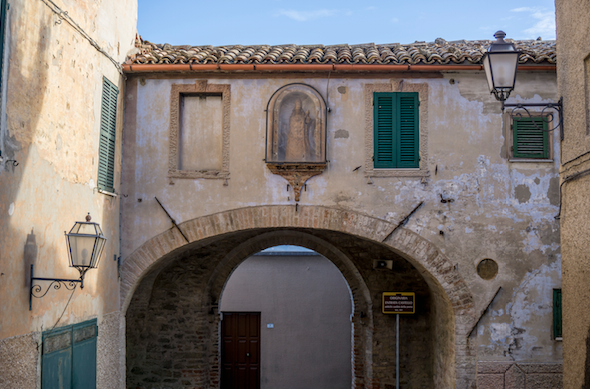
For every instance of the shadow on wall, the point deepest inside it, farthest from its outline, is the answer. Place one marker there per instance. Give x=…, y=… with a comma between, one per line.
x=26, y=95
x=30, y=255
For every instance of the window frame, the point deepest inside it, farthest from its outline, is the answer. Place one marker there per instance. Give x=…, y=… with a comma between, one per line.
x=510, y=139
x=4, y=54
x=397, y=86
x=396, y=161
x=200, y=87
x=557, y=328
x=108, y=131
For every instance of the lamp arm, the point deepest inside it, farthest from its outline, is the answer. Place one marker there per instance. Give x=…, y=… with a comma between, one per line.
x=545, y=117
x=35, y=290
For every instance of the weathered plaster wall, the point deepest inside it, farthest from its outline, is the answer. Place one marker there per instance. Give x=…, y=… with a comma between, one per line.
x=573, y=49
x=50, y=125
x=500, y=210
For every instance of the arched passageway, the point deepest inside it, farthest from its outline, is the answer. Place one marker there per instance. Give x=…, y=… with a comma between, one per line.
x=301, y=307
x=172, y=293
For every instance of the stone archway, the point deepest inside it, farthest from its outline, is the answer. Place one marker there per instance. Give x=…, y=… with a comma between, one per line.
x=454, y=362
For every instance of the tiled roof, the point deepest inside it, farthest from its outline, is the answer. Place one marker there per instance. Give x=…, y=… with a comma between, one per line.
x=433, y=53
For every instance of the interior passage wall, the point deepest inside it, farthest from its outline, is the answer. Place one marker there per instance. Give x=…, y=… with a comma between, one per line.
x=173, y=329
x=308, y=303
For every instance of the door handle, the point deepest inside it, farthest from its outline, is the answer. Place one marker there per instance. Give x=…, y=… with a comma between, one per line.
x=248, y=355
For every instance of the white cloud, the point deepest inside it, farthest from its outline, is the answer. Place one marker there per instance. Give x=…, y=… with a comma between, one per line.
x=545, y=25
x=303, y=16
x=395, y=20
x=371, y=8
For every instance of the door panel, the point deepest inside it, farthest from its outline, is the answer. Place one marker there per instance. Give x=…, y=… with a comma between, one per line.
x=240, y=359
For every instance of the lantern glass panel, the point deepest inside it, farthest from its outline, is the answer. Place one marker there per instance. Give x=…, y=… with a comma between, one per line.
x=486, y=67
x=503, y=66
x=82, y=248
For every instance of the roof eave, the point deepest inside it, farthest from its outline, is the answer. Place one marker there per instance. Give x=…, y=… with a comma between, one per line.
x=172, y=68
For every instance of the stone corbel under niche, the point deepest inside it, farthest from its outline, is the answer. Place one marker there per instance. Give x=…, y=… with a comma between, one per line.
x=297, y=174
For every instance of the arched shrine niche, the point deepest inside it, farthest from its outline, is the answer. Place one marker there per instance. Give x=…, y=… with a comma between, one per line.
x=296, y=134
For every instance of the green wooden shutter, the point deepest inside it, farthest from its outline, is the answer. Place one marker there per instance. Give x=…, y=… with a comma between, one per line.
x=69, y=357
x=56, y=361
x=528, y=140
x=557, y=324
x=408, y=133
x=3, y=12
x=108, y=129
x=383, y=134
x=84, y=356
x=396, y=130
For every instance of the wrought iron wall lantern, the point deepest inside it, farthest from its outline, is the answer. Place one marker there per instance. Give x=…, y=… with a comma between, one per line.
x=85, y=243
x=500, y=63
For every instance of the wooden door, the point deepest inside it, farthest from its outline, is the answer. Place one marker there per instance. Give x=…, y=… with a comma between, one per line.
x=240, y=351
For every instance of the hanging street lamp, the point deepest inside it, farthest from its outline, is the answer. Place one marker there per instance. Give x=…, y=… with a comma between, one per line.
x=500, y=63
x=85, y=243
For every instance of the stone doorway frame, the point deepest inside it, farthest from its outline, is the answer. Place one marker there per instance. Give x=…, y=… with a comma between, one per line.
x=454, y=362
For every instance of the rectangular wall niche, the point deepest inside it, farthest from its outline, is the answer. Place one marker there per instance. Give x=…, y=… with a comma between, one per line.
x=201, y=141
x=199, y=131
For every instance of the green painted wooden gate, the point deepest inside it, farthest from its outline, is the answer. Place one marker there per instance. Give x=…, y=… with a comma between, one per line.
x=69, y=357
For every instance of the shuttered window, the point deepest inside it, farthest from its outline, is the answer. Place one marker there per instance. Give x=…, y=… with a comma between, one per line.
x=396, y=130
x=69, y=357
x=3, y=18
x=530, y=141
x=557, y=313
x=108, y=129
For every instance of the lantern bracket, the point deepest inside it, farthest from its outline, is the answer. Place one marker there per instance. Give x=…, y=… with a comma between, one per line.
x=35, y=290
x=545, y=116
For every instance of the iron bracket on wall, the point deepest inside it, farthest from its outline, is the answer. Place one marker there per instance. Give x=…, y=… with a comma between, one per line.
x=36, y=290
x=403, y=222
x=547, y=117
x=484, y=311
x=173, y=221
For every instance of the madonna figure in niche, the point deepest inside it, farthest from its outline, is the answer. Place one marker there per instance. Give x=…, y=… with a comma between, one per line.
x=299, y=134
x=296, y=129
x=296, y=135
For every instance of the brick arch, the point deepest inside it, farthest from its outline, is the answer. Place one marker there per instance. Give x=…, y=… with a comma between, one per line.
x=455, y=311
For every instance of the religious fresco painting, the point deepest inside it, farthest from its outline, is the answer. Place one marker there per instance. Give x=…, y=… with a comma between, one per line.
x=296, y=126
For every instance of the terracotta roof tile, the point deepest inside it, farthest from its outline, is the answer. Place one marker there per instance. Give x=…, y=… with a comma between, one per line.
x=438, y=52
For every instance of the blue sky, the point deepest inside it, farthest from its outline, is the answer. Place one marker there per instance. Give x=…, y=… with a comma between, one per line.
x=198, y=22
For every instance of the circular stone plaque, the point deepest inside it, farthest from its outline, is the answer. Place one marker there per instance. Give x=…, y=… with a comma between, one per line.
x=487, y=269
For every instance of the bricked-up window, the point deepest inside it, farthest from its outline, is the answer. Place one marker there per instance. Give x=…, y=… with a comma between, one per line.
x=557, y=323
x=199, y=130
x=108, y=131
x=201, y=133
x=69, y=357
x=396, y=133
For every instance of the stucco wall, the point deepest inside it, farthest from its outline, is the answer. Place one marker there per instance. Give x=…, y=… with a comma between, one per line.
x=501, y=210
x=308, y=303
x=50, y=125
x=573, y=48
